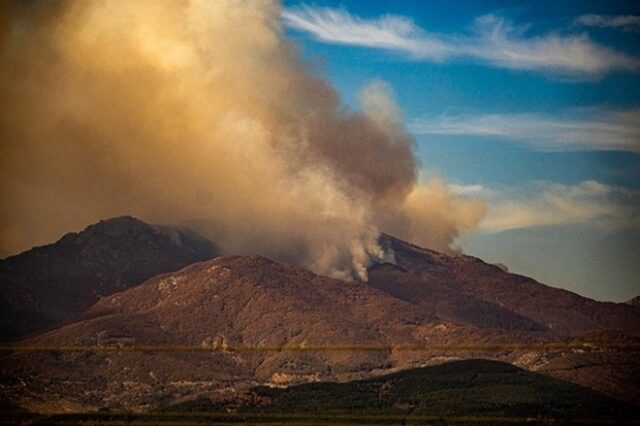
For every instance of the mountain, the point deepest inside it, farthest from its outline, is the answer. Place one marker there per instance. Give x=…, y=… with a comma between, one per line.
x=227, y=301
x=51, y=284
x=184, y=334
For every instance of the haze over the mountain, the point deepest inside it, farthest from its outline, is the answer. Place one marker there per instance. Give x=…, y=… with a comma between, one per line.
x=426, y=297
x=50, y=284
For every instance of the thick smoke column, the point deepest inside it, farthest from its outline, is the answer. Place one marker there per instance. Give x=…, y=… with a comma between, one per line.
x=200, y=112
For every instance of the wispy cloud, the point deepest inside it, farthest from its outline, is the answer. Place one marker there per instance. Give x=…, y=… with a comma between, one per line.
x=625, y=22
x=548, y=203
x=390, y=32
x=588, y=129
x=493, y=40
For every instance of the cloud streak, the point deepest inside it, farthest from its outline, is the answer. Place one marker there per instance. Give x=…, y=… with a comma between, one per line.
x=624, y=22
x=589, y=129
x=493, y=40
x=395, y=33
x=550, y=203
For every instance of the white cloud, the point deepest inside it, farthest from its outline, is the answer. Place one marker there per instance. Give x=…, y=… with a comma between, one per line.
x=494, y=41
x=389, y=32
x=477, y=190
x=549, y=203
x=625, y=22
x=498, y=42
x=587, y=129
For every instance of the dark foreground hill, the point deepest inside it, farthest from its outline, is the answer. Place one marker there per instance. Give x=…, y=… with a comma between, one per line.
x=471, y=388
x=51, y=284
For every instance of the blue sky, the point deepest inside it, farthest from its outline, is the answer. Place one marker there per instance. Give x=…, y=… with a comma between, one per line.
x=533, y=107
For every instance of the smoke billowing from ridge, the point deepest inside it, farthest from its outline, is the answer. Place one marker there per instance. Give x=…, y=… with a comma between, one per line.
x=200, y=111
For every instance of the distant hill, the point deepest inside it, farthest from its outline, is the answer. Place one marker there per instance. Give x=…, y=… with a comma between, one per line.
x=471, y=388
x=47, y=285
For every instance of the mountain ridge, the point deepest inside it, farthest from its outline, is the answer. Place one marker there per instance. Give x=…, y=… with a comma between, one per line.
x=560, y=311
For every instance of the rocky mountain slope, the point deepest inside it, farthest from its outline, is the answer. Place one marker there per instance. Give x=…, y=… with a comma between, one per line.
x=47, y=285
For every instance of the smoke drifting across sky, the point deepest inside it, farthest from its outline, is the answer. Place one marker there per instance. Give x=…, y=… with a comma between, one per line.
x=201, y=112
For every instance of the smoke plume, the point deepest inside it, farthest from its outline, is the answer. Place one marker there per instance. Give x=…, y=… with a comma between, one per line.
x=201, y=112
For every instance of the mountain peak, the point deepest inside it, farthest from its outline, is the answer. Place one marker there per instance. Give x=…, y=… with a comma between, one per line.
x=112, y=228
x=53, y=283
x=118, y=223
